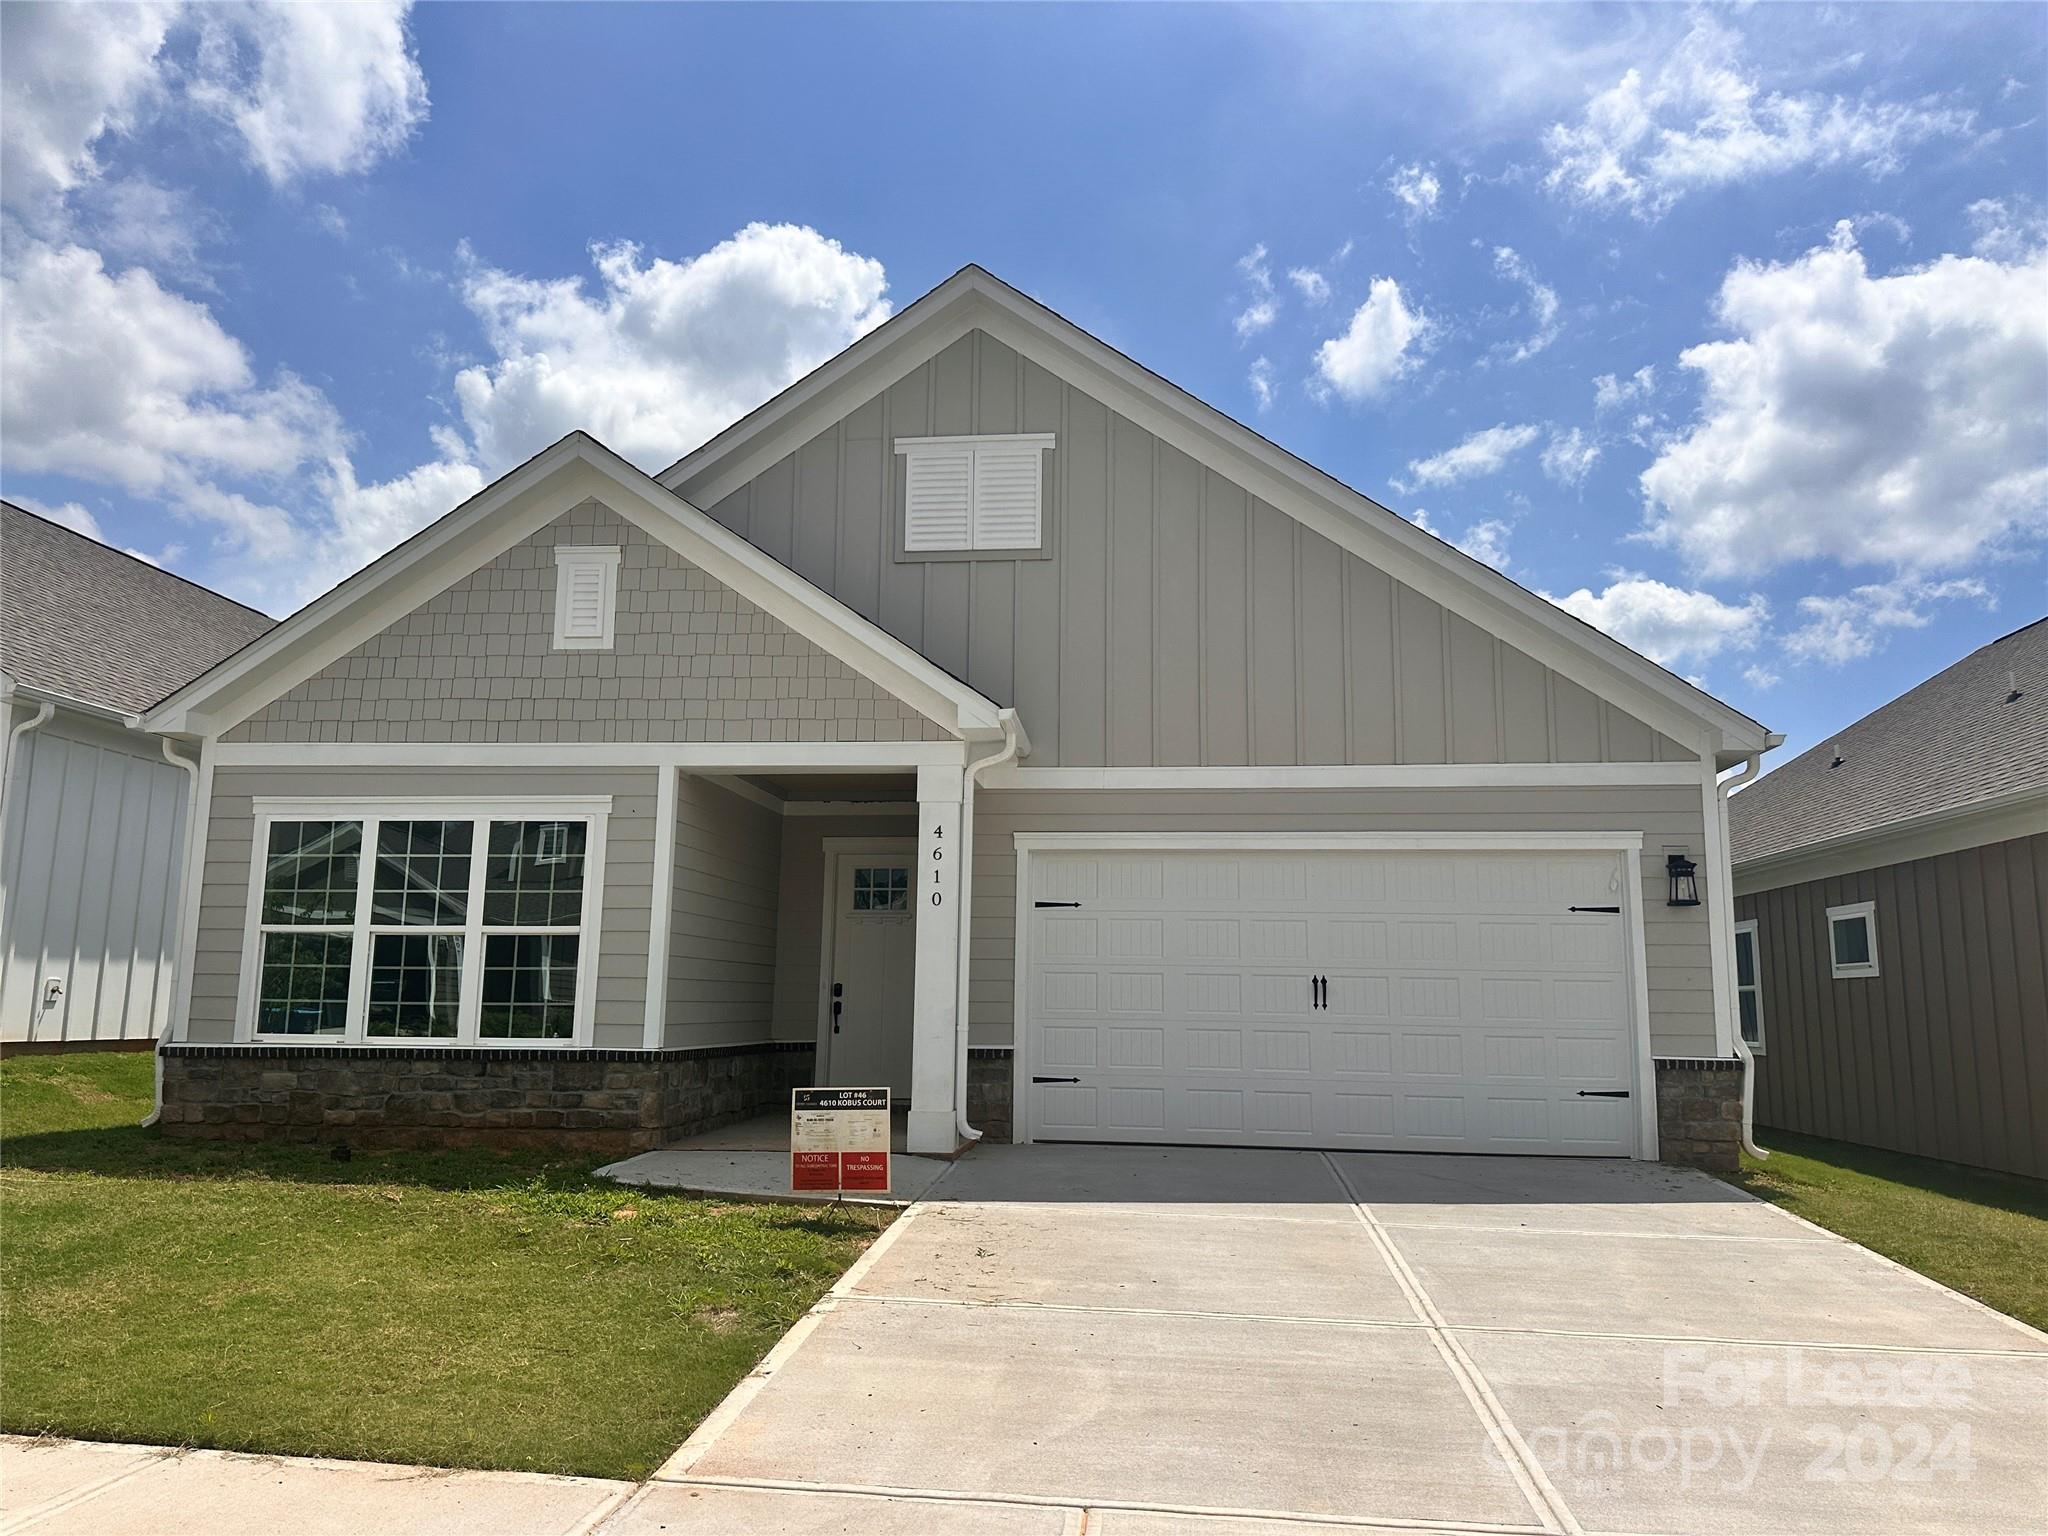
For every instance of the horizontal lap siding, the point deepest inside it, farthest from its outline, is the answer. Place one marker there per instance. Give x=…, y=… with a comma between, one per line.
x=1944, y=1053
x=1681, y=990
x=628, y=875
x=722, y=941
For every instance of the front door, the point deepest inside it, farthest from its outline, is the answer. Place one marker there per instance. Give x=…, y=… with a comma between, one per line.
x=874, y=952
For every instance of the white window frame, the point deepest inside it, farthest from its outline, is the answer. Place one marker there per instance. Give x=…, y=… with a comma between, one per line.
x=909, y=448
x=1867, y=910
x=570, y=561
x=1756, y=969
x=594, y=811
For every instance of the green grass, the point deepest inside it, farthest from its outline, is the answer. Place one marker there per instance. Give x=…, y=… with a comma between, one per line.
x=1984, y=1234
x=449, y=1308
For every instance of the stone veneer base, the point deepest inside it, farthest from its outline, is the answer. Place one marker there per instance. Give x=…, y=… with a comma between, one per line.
x=1699, y=1114
x=598, y=1101
x=989, y=1070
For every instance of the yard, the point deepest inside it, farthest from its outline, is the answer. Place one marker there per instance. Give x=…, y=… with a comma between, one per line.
x=459, y=1308
x=1984, y=1234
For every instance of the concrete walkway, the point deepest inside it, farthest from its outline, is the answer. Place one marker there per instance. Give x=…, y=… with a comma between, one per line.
x=1141, y=1342
x=750, y=1161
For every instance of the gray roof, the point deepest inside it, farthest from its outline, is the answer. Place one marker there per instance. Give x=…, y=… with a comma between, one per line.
x=1955, y=741
x=84, y=621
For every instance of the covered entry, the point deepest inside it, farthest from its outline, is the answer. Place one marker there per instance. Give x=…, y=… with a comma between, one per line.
x=1457, y=994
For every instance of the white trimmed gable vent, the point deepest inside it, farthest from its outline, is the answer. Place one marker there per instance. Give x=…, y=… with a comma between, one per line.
x=586, y=596
x=974, y=493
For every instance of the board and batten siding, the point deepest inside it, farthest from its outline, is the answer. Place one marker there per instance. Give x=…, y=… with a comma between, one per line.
x=90, y=860
x=1944, y=1053
x=722, y=930
x=621, y=1010
x=1175, y=619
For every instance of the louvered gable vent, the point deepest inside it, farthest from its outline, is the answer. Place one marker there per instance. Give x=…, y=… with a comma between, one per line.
x=974, y=493
x=586, y=596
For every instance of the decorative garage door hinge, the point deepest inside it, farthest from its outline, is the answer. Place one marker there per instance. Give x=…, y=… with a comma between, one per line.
x=1604, y=1093
x=1076, y=904
x=1055, y=1079
x=1592, y=909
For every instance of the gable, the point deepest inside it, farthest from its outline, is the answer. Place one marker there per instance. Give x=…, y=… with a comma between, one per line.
x=691, y=660
x=1173, y=617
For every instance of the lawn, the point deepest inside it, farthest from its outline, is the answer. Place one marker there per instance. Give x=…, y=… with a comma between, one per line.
x=449, y=1308
x=1985, y=1234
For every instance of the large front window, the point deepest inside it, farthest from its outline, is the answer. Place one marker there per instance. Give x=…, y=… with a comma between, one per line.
x=408, y=926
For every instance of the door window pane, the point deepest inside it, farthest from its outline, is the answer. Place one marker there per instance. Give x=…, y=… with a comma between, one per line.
x=422, y=878
x=881, y=888
x=303, y=989
x=309, y=875
x=529, y=986
x=415, y=985
x=534, y=875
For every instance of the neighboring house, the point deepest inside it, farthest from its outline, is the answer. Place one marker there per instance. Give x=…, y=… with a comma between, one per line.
x=91, y=815
x=982, y=716
x=1892, y=920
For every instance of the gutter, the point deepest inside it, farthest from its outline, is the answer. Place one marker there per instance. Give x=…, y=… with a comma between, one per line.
x=191, y=771
x=1750, y=764
x=1014, y=743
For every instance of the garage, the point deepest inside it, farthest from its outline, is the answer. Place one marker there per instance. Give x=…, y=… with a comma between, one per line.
x=1445, y=995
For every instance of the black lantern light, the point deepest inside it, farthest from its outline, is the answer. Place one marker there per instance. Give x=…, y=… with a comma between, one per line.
x=1685, y=881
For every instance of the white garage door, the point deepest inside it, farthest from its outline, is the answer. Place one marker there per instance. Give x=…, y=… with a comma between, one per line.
x=1426, y=1001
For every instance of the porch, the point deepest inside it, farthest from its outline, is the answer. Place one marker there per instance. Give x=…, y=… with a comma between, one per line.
x=750, y=1161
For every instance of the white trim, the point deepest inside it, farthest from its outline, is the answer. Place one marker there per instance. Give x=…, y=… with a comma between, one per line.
x=1719, y=903
x=197, y=827
x=973, y=299
x=2023, y=813
x=371, y=811
x=1356, y=776
x=1625, y=846
x=835, y=849
x=691, y=756
x=654, y=1027
x=1756, y=966
x=1867, y=910
x=572, y=560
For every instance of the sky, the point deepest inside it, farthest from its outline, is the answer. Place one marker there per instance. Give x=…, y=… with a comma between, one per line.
x=1725, y=329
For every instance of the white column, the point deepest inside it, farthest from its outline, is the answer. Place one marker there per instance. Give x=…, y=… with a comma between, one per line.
x=659, y=918
x=935, y=1011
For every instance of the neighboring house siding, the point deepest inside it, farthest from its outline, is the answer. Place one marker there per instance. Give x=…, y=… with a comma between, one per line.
x=722, y=937
x=1944, y=1053
x=89, y=871
x=692, y=661
x=621, y=1010
x=1177, y=620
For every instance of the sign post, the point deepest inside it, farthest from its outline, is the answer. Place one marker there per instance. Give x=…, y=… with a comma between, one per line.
x=839, y=1140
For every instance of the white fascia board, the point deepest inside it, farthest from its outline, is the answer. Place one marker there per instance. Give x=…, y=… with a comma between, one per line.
x=1999, y=820
x=781, y=757
x=1352, y=776
x=1325, y=842
x=972, y=300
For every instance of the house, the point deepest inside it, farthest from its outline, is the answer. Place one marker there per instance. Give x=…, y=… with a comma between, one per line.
x=92, y=816
x=1891, y=903
x=984, y=717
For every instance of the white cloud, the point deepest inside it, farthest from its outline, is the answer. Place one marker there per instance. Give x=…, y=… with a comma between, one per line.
x=1541, y=307
x=1610, y=393
x=1417, y=190
x=1485, y=541
x=1384, y=342
x=68, y=514
x=1313, y=287
x=2005, y=231
x=665, y=353
x=1483, y=453
x=1898, y=421
x=71, y=73
x=1261, y=380
x=1760, y=677
x=1671, y=625
x=1263, y=308
x=329, y=220
x=367, y=520
x=1569, y=456
x=1703, y=118
x=1849, y=626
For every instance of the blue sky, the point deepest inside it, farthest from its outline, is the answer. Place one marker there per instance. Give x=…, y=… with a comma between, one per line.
x=1728, y=329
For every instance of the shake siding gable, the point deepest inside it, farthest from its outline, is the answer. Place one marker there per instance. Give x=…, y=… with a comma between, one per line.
x=691, y=661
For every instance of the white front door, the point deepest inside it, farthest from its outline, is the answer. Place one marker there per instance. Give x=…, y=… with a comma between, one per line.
x=1413, y=1001
x=874, y=953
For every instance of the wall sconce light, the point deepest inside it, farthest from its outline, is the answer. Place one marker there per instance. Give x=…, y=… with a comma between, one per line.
x=1685, y=881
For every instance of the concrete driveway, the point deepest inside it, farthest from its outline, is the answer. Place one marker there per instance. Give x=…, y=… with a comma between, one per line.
x=1139, y=1340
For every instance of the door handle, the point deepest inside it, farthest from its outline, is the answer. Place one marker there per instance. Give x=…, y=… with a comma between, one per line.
x=838, y=993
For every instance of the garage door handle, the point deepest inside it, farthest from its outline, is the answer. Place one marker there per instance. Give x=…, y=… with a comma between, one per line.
x=1592, y=909
x=1604, y=1093
x=1055, y=1079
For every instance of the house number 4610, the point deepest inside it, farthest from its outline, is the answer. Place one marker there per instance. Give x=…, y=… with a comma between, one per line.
x=938, y=858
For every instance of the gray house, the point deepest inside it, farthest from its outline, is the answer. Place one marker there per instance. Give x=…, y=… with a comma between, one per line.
x=1892, y=920
x=91, y=814
x=985, y=717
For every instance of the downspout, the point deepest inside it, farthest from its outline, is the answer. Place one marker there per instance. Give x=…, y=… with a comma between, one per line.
x=1727, y=862
x=191, y=770
x=1013, y=736
x=7, y=756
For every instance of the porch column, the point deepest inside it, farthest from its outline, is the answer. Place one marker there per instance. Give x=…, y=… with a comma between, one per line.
x=935, y=1010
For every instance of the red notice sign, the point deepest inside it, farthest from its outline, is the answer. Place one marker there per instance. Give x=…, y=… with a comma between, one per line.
x=839, y=1140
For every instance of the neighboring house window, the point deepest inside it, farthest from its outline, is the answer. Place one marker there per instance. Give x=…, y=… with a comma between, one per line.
x=586, y=596
x=460, y=927
x=974, y=494
x=1852, y=939
x=1749, y=991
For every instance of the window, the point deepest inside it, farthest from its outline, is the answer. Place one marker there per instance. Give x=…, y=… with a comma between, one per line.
x=1749, y=989
x=460, y=927
x=586, y=596
x=883, y=888
x=974, y=494
x=1852, y=939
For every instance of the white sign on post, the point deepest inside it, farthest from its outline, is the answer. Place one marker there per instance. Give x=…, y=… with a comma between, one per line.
x=839, y=1140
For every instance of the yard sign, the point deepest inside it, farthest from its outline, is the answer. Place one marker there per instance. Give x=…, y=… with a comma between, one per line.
x=839, y=1140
